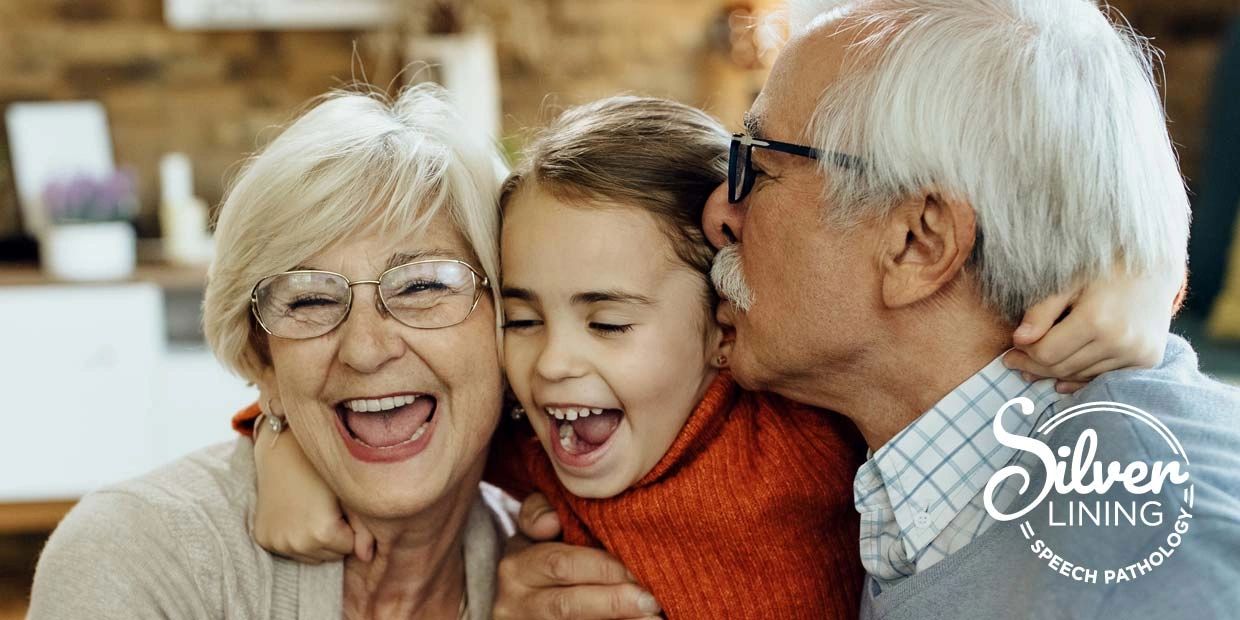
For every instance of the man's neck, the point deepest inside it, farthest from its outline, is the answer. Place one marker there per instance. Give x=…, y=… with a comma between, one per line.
x=916, y=365
x=418, y=568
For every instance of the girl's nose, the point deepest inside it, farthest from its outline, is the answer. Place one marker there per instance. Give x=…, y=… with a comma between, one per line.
x=560, y=359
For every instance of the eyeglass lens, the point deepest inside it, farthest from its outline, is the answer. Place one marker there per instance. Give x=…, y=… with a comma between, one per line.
x=739, y=173
x=425, y=295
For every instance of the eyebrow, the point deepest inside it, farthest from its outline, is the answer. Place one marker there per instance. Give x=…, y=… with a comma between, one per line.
x=521, y=294
x=753, y=124
x=584, y=298
x=400, y=258
x=612, y=296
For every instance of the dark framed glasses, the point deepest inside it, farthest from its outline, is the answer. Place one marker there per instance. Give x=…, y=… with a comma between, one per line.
x=427, y=294
x=740, y=163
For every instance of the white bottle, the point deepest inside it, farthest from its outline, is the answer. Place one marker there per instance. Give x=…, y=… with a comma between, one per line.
x=182, y=216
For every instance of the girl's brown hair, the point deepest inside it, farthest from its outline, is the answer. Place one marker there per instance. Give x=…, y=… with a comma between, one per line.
x=661, y=156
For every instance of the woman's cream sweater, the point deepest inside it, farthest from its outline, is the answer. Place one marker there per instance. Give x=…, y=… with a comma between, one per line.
x=176, y=543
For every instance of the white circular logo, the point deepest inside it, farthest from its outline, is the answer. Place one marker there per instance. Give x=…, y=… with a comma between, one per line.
x=1072, y=472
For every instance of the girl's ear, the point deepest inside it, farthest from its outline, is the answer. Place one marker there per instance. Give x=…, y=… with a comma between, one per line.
x=512, y=406
x=721, y=340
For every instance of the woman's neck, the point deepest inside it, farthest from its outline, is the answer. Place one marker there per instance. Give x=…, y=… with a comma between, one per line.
x=418, y=570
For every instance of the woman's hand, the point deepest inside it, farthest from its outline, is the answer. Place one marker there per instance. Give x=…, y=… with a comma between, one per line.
x=551, y=580
x=1118, y=322
x=297, y=515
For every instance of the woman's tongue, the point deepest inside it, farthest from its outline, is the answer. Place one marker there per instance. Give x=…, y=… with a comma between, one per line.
x=595, y=429
x=388, y=428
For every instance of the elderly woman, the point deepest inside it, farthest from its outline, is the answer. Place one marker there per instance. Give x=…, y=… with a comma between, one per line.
x=354, y=285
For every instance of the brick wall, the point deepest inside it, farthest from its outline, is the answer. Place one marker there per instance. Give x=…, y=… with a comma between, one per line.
x=207, y=94
x=211, y=94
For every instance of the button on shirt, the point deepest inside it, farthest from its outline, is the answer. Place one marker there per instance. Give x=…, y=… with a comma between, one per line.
x=920, y=494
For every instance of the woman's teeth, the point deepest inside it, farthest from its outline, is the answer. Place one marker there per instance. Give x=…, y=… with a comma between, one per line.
x=572, y=413
x=375, y=405
x=421, y=431
x=416, y=435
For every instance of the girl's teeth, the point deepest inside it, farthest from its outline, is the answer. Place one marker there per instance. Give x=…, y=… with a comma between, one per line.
x=573, y=413
x=387, y=403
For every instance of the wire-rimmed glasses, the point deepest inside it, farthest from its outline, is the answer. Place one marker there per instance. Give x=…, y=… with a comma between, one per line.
x=425, y=294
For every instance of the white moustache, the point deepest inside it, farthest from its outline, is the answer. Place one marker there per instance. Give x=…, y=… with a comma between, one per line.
x=728, y=279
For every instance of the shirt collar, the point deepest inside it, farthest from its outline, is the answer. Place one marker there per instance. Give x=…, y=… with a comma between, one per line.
x=929, y=471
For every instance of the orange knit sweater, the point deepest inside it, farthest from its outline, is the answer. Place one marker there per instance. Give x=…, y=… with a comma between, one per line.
x=749, y=514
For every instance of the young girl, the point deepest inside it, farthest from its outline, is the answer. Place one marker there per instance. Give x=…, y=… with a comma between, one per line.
x=722, y=502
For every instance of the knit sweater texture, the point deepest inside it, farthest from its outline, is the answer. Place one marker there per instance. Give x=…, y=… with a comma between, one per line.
x=176, y=543
x=749, y=514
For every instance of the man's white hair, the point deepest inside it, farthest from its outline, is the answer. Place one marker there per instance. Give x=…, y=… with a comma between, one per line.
x=354, y=162
x=1042, y=114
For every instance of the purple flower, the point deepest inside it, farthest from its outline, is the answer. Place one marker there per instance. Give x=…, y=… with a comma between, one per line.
x=83, y=198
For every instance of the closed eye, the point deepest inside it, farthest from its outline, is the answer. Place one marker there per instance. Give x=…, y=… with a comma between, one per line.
x=758, y=172
x=311, y=302
x=521, y=324
x=610, y=328
x=422, y=286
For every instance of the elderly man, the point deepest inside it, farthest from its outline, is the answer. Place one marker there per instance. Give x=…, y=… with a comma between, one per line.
x=915, y=175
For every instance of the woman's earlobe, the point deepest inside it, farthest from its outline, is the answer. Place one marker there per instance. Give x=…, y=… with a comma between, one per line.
x=269, y=393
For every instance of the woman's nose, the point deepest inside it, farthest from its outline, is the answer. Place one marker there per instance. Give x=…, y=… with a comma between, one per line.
x=368, y=340
x=722, y=220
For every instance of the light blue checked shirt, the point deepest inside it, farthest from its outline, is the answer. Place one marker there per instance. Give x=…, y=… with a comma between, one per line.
x=920, y=494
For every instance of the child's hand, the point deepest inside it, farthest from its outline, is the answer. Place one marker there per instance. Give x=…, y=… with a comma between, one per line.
x=297, y=515
x=1119, y=322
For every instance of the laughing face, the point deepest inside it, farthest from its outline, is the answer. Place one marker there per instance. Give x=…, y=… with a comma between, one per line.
x=395, y=419
x=608, y=342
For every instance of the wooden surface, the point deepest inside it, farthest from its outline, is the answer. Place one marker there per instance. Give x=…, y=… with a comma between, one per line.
x=164, y=275
x=28, y=517
x=18, y=555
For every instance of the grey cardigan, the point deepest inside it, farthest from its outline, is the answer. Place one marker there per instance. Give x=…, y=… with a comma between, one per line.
x=176, y=543
x=998, y=576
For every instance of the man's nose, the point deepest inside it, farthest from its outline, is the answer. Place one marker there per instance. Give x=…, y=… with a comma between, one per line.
x=722, y=220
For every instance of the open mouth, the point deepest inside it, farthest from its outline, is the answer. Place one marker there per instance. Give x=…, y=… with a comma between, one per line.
x=387, y=422
x=581, y=431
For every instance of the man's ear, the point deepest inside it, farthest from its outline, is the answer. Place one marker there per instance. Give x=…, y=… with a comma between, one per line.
x=926, y=242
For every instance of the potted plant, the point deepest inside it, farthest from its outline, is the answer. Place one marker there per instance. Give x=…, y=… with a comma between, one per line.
x=89, y=235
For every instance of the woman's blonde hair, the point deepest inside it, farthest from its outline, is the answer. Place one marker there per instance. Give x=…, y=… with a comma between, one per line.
x=653, y=154
x=354, y=162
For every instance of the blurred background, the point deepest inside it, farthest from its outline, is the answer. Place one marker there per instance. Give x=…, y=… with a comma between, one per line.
x=124, y=119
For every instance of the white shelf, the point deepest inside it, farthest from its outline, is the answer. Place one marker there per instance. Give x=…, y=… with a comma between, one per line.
x=279, y=14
